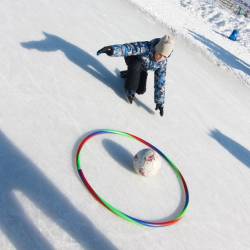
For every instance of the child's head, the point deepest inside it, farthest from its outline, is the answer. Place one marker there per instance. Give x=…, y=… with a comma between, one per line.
x=164, y=48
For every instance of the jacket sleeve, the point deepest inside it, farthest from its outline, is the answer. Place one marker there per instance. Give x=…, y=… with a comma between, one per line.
x=159, y=86
x=131, y=49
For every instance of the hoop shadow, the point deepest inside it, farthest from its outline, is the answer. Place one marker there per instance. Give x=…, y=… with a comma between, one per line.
x=18, y=173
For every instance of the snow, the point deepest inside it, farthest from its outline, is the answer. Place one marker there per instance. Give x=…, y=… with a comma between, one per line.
x=206, y=24
x=55, y=90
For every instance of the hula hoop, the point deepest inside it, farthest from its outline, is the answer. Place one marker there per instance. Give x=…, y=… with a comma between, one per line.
x=117, y=211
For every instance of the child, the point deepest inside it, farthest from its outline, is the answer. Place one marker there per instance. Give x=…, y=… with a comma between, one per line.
x=141, y=57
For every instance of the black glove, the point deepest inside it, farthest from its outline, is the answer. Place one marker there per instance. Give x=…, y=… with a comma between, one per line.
x=160, y=107
x=107, y=49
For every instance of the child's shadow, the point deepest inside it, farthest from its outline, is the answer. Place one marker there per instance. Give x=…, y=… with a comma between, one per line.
x=79, y=57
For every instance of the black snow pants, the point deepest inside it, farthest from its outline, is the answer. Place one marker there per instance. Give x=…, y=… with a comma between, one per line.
x=136, y=77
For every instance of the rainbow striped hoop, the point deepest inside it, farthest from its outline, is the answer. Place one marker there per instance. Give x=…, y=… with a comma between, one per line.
x=117, y=211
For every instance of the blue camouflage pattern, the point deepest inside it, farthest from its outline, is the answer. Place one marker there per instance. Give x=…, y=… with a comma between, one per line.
x=146, y=51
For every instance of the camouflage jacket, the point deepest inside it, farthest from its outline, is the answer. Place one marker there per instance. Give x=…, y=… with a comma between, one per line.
x=146, y=51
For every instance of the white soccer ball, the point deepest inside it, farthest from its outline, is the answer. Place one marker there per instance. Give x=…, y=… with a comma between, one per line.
x=147, y=162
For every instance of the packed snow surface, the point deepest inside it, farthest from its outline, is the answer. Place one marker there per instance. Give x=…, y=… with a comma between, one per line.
x=55, y=90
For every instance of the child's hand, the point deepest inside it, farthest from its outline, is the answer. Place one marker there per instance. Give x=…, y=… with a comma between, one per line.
x=107, y=50
x=160, y=107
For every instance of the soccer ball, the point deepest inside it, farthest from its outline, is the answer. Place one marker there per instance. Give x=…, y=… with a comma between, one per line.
x=147, y=162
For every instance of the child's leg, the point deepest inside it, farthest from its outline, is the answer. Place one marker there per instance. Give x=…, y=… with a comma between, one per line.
x=142, y=83
x=134, y=73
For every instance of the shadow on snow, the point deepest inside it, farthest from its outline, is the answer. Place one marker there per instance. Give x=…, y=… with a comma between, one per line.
x=233, y=147
x=82, y=59
x=223, y=54
x=19, y=174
